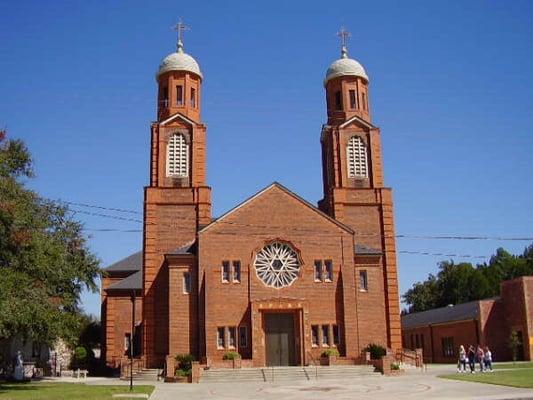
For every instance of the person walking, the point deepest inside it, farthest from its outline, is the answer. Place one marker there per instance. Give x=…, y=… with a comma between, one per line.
x=488, y=359
x=471, y=359
x=480, y=357
x=461, y=365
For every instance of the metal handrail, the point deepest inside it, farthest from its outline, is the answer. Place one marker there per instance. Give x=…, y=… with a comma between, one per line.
x=314, y=363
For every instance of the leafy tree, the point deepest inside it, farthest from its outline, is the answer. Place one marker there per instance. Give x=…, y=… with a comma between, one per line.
x=44, y=259
x=463, y=282
x=423, y=295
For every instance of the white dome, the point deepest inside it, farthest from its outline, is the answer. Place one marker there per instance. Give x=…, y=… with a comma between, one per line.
x=179, y=61
x=345, y=67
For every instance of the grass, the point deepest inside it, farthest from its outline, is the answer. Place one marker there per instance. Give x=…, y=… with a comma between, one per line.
x=521, y=378
x=510, y=365
x=64, y=391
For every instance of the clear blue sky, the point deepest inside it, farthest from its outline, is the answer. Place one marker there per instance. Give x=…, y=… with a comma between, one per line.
x=451, y=89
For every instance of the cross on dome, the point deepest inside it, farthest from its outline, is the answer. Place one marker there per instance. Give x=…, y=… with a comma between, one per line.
x=180, y=27
x=344, y=35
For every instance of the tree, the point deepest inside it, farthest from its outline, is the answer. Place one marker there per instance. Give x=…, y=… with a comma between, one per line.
x=461, y=283
x=44, y=259
x=423, y=295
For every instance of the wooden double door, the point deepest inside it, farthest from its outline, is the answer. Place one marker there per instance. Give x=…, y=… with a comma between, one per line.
x=279, y=339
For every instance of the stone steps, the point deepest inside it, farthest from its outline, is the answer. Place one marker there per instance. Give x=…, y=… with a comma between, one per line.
x=145, y=375
x=286, y=374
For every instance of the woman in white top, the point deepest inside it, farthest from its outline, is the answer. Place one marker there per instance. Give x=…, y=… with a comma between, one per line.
x=488, y=359
x=461, y=367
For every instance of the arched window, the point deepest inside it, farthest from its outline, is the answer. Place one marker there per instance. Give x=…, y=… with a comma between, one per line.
x=356, y=155
x=177, y=156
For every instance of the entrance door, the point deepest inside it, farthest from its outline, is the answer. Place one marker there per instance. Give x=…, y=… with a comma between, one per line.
x=279, y=332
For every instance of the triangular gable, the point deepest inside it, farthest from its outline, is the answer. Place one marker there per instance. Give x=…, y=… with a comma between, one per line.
x=290, y=193
x=358, y=121
x=178, y=116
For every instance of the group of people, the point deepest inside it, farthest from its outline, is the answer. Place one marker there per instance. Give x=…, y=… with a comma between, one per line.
x=479, y=355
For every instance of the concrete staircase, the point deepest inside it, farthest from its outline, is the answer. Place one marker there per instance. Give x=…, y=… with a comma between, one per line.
x=287, y=374
x=145, y=375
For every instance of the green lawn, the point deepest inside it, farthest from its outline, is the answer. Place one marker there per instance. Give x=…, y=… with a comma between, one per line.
x=64, y=391
x=522, y=378
x=511, y=365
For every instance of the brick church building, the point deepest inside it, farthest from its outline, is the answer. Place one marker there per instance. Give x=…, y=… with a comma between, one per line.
x=276, y=279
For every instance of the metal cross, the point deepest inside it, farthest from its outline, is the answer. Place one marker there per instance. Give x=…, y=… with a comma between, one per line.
x=180, y=28
x=344, y=35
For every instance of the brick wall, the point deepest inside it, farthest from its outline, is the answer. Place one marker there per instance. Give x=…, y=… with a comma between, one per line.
x=277, y=215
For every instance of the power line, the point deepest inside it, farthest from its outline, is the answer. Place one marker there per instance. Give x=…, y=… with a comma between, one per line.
x=123, y=210
x=425, y=253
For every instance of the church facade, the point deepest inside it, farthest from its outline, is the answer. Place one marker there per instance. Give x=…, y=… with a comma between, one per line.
x=276, y=279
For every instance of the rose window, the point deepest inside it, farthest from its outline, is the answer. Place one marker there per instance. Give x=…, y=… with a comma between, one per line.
x=277, y=265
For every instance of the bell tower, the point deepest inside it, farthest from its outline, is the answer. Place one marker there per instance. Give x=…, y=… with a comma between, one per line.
x=177, y=202
x=352, y=170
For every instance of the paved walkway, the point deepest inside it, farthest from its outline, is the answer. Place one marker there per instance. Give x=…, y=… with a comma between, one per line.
x=412, y=386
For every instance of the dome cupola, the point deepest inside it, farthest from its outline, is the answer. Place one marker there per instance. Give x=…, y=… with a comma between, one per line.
x=180, y=81
x=345, y=66
x=179, y=61
x=346, y=85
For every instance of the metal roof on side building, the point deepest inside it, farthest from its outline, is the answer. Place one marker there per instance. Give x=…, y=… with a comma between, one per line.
x=134, y=281
x=131, y=263
x=441, y=315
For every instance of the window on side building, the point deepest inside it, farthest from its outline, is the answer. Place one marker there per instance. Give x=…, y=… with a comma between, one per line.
x=447, y=347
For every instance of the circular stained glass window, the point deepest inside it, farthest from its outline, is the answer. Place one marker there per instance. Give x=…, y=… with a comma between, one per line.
x=277, y=265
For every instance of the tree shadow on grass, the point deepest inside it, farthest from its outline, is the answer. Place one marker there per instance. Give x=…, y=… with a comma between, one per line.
x=16, y=386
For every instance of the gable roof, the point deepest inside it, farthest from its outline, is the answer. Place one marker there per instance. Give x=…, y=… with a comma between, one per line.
x=180, y=116
x=287, y=191
x=131, y=282
x=358, y=120
x=131, y=263
x=459, y=312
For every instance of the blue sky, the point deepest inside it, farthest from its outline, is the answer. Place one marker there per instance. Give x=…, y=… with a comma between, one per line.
x=450, y=85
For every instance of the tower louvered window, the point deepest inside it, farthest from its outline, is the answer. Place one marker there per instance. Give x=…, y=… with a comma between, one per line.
x=357, y=160
x=177, y=156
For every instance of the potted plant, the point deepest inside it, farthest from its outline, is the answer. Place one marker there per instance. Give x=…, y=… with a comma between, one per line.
x=184, y=367
x=232, y=358
x=329, y=356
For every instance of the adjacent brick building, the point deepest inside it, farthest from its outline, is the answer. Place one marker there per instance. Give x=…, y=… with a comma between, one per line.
x=276, y=279
x=441, y=331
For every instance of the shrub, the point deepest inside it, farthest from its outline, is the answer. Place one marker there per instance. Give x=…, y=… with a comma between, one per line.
x=231, y=355
x=395, y=366
x=181, y=372
x=185, y=363
x=376, y=351
x=80, y=354
x=330, y=353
